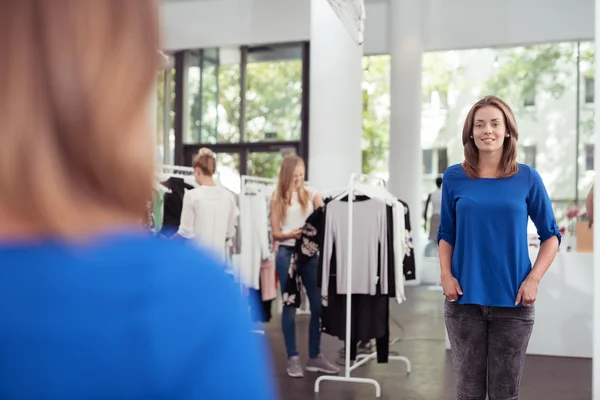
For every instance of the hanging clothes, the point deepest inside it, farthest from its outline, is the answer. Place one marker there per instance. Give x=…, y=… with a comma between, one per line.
x=173, y=204
x=255, y=243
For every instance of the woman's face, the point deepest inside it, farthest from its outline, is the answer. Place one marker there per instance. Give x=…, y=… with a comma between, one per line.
x=298, y=177
x=489, y=129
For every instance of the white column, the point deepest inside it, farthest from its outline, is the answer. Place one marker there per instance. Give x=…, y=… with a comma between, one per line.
x=596, y=313
x=406, y=49
x=335, y=100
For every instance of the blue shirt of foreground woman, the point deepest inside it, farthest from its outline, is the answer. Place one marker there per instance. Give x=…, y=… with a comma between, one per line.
x=93, y=308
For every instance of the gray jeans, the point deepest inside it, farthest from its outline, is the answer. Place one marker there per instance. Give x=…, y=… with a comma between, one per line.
x=488, y=347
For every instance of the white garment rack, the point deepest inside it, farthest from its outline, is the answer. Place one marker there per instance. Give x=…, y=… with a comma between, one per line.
x=363, y=358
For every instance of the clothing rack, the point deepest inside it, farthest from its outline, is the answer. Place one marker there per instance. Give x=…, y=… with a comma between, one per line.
x=363, y=358
x=249, y=180
x=177, y=171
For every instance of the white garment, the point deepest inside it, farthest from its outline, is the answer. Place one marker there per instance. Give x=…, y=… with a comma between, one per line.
x=398, y=212
x=436, y=201
x=295, y=218
x=254, y=223
x=208, y=216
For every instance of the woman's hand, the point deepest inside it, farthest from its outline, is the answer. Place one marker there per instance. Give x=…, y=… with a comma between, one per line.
x=527, y=293
x=451, y=288
x=297, y=233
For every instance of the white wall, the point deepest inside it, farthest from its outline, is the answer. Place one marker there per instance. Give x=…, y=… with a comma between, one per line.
x=447, y=24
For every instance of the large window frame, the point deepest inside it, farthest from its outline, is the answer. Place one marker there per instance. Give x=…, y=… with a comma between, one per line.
x=184, y=152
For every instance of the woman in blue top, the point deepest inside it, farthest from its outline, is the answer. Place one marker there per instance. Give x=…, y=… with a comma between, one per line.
x=487, y=277
x=92, y=308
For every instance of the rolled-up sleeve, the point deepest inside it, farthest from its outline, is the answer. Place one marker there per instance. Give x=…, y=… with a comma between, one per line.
x=540, y=209
x=447, y=229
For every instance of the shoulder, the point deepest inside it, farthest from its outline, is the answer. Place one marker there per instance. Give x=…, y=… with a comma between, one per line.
x=453, y=172
x=530, y=174
x=312, y=192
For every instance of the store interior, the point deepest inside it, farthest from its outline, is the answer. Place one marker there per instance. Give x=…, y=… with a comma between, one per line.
x=256, y=80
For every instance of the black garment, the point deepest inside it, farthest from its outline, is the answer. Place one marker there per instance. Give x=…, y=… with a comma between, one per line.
x=408, y=264
x=260, y=310
x=173, y=204
x=305, y=249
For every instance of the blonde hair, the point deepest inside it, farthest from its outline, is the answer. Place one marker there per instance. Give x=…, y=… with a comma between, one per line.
x=283, y=195
x=74, y=109
x=205, y=161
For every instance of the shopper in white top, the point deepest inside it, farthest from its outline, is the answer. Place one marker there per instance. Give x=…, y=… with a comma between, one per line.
x=292, y=203
x=209, y=211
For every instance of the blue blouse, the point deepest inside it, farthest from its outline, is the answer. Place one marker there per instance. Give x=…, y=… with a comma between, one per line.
x=485, y=221
x=125, y=316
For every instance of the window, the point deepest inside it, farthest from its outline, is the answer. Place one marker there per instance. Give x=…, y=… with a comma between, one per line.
x=435, y=161
x=274, y=93
x=213, y=96
x=529, y=100
x=442, y=160
x=589, y=157
x=527, y=155
x=427, y=161
x=589, y=90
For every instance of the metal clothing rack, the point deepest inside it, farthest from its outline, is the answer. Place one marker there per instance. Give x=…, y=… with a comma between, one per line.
x=363, y=358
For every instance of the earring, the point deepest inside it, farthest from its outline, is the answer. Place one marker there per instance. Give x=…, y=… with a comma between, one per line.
x=508, y=135
x=471, y=136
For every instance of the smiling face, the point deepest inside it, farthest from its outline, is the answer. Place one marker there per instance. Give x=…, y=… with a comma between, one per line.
x=298, y=179
x=489, y=129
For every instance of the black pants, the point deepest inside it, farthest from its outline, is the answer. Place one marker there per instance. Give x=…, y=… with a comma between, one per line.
x=488, y=347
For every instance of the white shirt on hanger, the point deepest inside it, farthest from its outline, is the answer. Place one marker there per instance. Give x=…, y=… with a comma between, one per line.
x=208, y=217
x=255, y=237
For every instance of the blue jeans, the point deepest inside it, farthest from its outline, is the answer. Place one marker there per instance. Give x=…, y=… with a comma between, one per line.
x=288, y=317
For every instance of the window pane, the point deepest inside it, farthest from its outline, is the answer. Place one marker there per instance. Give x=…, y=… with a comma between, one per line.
x=427, y=161
x=586, y=118
x=274, y=93
x=229, y=95
x=165, y=115
x=193, y=133
x=266, y=165
x=376, y=115
x=442, y=160
x=228, y=168
x=213, y=96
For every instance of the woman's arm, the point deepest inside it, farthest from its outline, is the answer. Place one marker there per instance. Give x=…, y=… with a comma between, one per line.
x=276, y=225
x=542, y=215
x=589, y=205
x=317, y=201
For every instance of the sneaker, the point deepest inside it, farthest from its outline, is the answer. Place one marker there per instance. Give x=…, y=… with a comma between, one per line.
x=294, y=368
x=320, y=364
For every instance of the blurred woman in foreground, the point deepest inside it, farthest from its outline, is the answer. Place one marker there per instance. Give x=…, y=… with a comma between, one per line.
x=92, y=308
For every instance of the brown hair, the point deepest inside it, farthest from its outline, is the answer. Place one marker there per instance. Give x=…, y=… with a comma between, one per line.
x=74, y=110
x=205, y=161
x=283, y=194
x=508, y=163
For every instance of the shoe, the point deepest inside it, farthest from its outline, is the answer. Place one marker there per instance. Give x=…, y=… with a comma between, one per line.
x=320, y=364
x=294, y=369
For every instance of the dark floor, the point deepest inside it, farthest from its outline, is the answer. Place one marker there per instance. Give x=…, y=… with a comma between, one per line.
x=545, y=378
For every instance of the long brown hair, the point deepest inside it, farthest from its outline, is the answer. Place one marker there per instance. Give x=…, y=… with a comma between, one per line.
x=74, y=109
x=283, y=194
x=508, y=163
